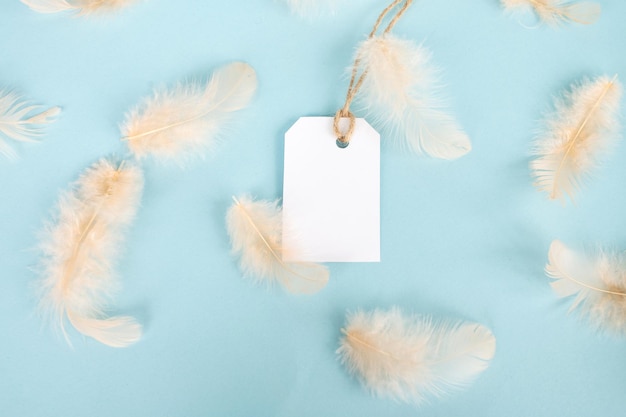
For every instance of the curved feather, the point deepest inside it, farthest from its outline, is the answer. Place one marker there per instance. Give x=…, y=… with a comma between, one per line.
x=401, y=93
x=79, y=248
x=577, y=135
x=255, y=229
x=187, y=120
x=410, y=358
x=596, y=281
x=21, y=121
x=82, y=7
x=555, y=12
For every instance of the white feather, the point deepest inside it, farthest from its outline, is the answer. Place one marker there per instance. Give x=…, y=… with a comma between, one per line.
x=79, y=249
x=400, y=92
x=82, y=7
x=187, y=120
x=21, y=121
x=255, y=229
x=555, y=12
x=311, y=7
x=410, y=358
x=597, y=281
x=583, y=127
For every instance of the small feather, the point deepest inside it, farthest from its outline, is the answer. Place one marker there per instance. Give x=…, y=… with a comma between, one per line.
x=410, y=358
x=577, y=135
x=82, y=7
x=21, y=121
x=311, y=8
x=555, y=12
x=597, y=281
x=185, y=121
x=255, y=230
x=401, y=93
x=79, y=249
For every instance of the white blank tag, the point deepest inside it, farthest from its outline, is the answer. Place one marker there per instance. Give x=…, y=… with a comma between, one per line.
x=331, y=196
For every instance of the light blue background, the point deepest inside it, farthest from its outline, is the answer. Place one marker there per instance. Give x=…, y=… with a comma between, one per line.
x=465, y=239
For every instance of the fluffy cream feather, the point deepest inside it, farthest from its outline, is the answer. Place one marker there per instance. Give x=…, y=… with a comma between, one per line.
x=21, y=121
x=400, y=92
x=187, y=120
x=596, y=281
x=79, y=249
x=255, y=229
x=311, y=7
x=584, y=125
x=410, y=358
x=555, y=12
x=82, y=7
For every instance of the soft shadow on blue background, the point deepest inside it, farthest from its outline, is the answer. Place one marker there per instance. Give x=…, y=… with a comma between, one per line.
x=465, y=239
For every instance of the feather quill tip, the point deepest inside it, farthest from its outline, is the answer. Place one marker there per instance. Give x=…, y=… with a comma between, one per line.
x=255, y=230
x=410, y=358
x=596, y=281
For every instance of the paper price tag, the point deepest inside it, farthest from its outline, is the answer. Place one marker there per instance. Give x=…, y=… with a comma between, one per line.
x=331, y=196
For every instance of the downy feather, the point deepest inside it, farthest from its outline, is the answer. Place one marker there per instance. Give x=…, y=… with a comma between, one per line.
x=255, y=230
x=79, y=249
x=411, y=358
x=597, y=281
x=582, y=128
x=82, y=7
x=187, y=120
x=555, y=12
x=311, y=8
x=21, y=121
x=400, y=92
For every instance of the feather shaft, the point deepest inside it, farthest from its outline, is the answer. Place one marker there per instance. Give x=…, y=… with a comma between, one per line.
x=577, y=135
x=255, y=229
x=182, y=122
x=81, y=7
x=596, y=281
x=78, y=249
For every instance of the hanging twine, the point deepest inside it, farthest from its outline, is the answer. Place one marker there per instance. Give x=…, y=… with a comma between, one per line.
x=343, y=138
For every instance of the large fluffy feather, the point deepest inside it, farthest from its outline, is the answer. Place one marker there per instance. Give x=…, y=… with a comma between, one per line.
x=584, y=125
x=186, y=120
x=79, y=250
x=597, y=281
x=82, y=7
x=21, y=121
x=311, y=7
x=400, y=92
x=555, y=12
x=255, y=229
x=410, y=358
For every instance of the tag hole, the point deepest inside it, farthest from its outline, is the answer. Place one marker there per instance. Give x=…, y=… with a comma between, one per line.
x=342, y=145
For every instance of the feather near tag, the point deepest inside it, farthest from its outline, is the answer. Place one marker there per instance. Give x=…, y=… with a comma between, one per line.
x=400, y=92
x=79, y=249
x=596, y=281
x=555, y=12
x=21, y=121
x=255, y=229
x=186, y=121
x=411, y=358
x=582, y=128
x=82, y=7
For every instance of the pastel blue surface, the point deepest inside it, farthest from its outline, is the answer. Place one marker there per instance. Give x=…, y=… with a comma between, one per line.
x=465, y=239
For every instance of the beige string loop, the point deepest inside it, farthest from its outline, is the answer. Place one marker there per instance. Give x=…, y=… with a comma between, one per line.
x=343, y=138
